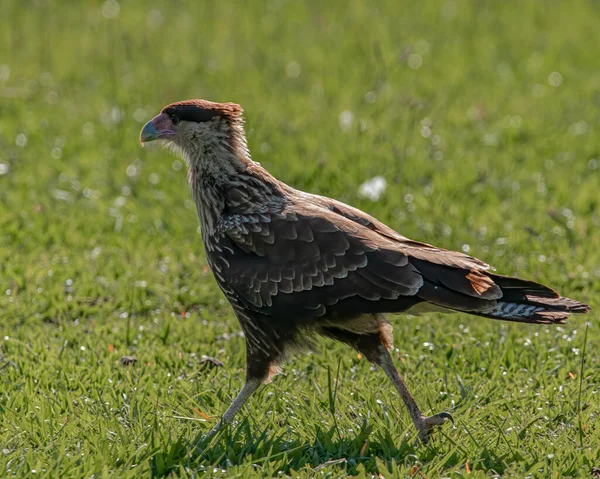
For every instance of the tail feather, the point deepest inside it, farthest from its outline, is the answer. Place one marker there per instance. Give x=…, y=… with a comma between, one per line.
x=530, y=302
x=518, y=287
x=490, y=295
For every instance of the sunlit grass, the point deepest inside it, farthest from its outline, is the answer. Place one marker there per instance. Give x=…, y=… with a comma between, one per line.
x=481, y=117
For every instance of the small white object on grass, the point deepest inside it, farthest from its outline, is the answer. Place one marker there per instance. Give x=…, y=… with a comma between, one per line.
x=373, y=188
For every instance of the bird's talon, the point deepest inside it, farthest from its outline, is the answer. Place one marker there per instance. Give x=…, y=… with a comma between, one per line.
x=445, y=416
x=426, y=425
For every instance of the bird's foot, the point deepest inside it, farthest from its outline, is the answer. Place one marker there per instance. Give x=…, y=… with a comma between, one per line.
x=425, y=425
x=215, y=429
x=205, y=439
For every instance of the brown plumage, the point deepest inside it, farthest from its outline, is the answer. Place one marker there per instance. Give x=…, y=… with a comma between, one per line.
x=295, y=265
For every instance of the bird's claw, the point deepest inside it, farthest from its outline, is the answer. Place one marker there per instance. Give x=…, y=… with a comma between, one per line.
x=439, y=418
x=426, y=424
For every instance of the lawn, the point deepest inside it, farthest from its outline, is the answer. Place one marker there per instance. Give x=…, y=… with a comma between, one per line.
x=482, y=117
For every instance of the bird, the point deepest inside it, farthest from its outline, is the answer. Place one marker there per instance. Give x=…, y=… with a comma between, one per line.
x=296, y=266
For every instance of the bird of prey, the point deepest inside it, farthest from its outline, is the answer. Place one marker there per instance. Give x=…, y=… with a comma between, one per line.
x=295, y=265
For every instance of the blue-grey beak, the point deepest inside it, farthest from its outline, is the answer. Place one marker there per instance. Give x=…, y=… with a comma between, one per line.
x=159, y=127
x=149, y=133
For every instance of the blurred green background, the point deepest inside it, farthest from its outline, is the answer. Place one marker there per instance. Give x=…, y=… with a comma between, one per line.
x=482, y=117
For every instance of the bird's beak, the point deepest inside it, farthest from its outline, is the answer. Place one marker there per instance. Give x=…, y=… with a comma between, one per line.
x=148, y=133
x=159, y=127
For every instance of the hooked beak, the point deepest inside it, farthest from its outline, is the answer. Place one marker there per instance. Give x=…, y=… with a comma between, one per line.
x=160, y=127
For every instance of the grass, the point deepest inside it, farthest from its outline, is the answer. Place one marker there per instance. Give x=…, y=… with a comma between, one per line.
x=482, y=117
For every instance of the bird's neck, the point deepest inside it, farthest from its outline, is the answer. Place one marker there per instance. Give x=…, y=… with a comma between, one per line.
x=209, y=176
x=224, y=180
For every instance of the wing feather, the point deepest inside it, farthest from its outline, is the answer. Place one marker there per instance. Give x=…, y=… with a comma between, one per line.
x=274, y=258
x=319, y=256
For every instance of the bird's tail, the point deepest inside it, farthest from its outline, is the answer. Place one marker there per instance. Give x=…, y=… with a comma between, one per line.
x=530, y=302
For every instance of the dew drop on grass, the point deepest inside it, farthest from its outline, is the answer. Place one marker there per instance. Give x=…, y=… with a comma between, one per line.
x=292, y=69
x=116, y=115
x=555, y=79
x=110, y=9
x=415, y=61
x=4, y=72
x=490, y=139
x=504, y=71
x=56, y=153
x=538, y=90
x=177, y=165
x=132, y=171
x=61, y=195
x=578, y=128
x=592, y=164
x=370, y=97
x=515, y=121
x=346, y=120
x=422, y=47
x=265, y=147
x=155, y=18
x=140, y=115
x=88, y=129
x=52, y=98
x=21, y=140
x=449, y=10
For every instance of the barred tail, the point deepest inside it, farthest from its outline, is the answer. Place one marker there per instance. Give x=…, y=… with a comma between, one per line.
x=530, y=302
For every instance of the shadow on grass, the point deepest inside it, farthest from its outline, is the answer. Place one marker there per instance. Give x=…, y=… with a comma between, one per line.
x=366, y=451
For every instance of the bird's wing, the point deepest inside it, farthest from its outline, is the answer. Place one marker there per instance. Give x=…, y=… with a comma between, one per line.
x=311, y=258
x=414, y=249
x=306, y=249
x=444, y=272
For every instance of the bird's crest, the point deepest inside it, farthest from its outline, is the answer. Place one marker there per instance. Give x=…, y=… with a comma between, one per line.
x=203, y=110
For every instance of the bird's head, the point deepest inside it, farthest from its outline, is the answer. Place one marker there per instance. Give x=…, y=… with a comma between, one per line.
x=196, y=128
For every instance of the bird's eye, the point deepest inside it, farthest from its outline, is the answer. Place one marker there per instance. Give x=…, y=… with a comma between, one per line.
x=174, y=119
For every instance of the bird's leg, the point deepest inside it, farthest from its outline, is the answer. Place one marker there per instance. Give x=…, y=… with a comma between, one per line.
x=249, y=388
x=373, y=347
x=259, y=367
x=423, y=424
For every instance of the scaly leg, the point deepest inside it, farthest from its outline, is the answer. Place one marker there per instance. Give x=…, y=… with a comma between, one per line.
x=423, y=424
x=259, y=367
x=373, y=347
x=249, y=388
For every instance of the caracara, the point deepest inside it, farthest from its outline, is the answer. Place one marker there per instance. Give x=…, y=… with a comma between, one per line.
x=295, y=265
